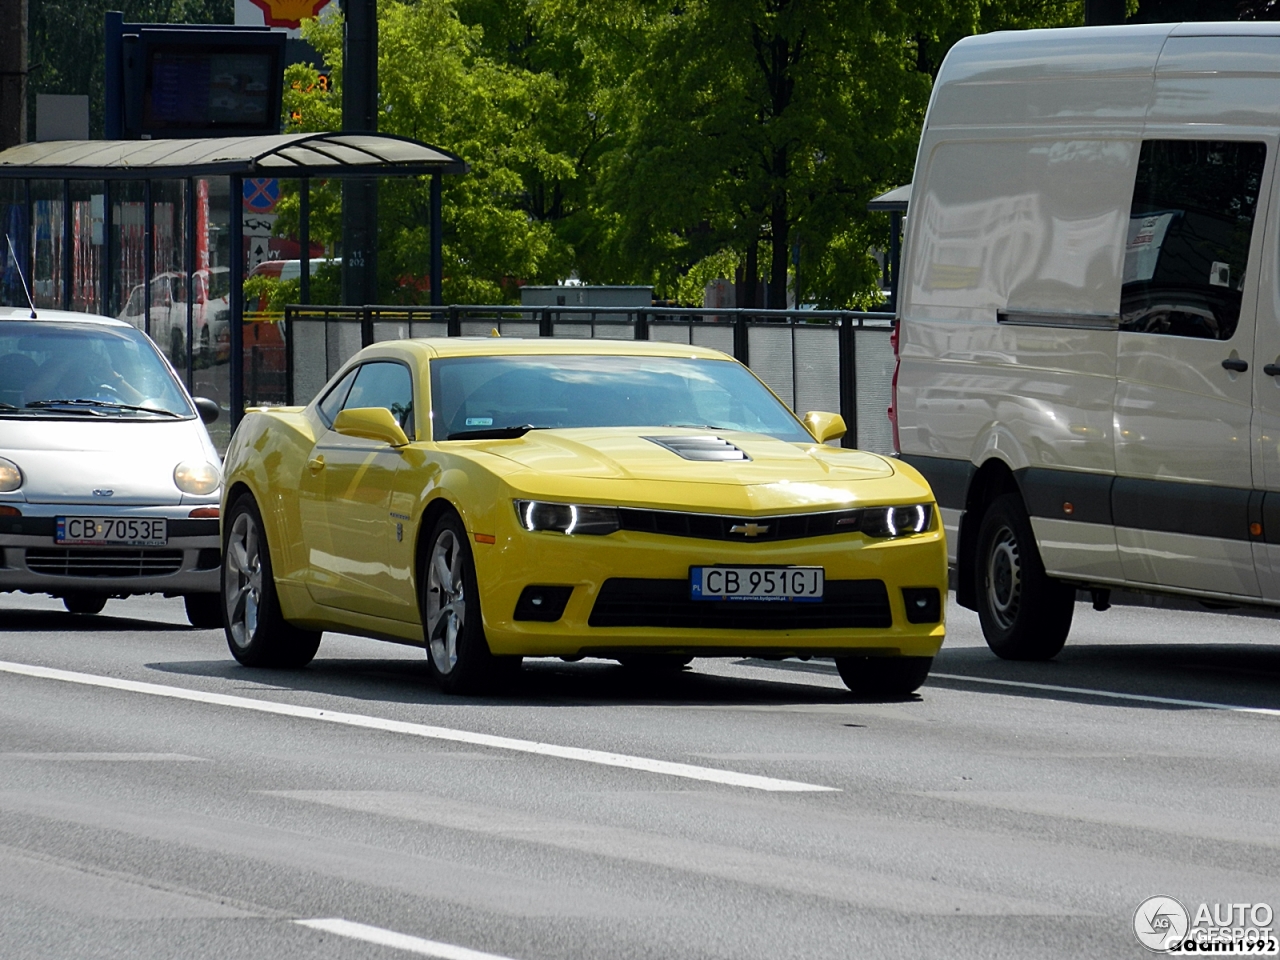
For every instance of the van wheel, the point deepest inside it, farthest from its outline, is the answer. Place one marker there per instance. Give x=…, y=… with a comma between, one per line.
x=1025, y=614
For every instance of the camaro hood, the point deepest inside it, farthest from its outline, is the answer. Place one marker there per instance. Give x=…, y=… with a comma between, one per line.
x=64, y=461
x=627, y=454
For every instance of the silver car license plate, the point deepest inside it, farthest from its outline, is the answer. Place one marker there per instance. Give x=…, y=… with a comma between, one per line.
x=134, y=531
x=756, y=583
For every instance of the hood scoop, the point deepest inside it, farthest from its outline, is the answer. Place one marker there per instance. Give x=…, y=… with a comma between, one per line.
x=700, y=448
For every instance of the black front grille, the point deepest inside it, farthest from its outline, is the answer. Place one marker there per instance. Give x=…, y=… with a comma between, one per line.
x=630, y=602
x=707, y=526
x=73, y=562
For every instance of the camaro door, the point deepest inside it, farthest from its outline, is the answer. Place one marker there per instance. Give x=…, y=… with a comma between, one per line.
x=353, y=477
x=1184, y=392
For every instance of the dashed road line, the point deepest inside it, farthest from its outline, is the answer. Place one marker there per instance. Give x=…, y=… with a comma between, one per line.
x=398, y=941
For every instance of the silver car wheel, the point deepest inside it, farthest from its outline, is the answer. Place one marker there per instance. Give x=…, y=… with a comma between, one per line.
x=242, y=581
x=446, y=601
x=1004, y=578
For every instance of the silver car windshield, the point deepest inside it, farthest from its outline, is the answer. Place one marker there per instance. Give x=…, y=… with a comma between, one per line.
x=474, y=397
x=62, y=370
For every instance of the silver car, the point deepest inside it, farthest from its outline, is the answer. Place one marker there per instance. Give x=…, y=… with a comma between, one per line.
x=109, y=483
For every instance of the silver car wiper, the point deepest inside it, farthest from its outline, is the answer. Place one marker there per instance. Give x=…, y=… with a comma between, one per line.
x=82, y=403
x=494, y=433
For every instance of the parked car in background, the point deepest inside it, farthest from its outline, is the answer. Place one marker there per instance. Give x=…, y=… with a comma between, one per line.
x=1089, y=358
x=210, y=310
x=109, y=483
x=495, y=498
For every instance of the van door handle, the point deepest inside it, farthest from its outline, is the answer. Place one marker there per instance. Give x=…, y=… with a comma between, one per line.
x=1236, y=364
x=1272, y=369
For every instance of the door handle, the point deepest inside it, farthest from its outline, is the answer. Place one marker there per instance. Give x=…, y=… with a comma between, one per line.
x=1236, y=364
x=1272, y=369
x=316, y=464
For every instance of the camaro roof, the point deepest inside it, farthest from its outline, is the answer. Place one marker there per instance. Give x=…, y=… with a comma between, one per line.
x=58, y=316
x=548, y=346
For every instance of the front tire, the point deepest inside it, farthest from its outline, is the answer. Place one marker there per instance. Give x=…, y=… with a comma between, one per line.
x=884, y=677
x=204, y=610
x=457, y=652
x=1025, y=613
x=257, y=632
x=86, y=603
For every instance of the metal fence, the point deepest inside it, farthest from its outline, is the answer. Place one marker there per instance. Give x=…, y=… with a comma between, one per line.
x=814, y=360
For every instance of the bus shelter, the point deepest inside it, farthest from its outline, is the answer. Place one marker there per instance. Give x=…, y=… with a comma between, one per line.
x=163, y=233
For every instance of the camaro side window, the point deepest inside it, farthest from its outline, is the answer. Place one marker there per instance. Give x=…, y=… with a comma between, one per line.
x=332, y=403
x=384, y=384
x=1188, y=242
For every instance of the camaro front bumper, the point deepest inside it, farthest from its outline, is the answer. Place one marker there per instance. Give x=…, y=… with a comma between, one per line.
x=32, y=561
x=642, y=580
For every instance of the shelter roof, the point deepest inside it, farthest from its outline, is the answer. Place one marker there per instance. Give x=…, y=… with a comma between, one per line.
x=282, y=155
x=894, y=200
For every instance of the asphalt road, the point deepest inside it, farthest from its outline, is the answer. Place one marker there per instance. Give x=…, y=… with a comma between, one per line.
x=224, y=812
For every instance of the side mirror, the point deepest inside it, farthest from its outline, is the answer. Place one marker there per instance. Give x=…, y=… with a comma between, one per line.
x=208, y=409
x=825, y=426
x=372, y=423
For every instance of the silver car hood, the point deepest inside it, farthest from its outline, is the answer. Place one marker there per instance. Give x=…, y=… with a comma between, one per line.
x=65, y=461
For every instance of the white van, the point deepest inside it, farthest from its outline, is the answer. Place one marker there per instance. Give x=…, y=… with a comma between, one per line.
x=1089, y=339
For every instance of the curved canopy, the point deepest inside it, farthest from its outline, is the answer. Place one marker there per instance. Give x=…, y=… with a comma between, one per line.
x=284, y=155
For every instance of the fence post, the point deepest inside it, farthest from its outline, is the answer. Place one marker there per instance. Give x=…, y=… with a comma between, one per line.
x=455, y=323
x=289, y=313
x=366, y=326
x=740, y=346
x=545, y=326
x=642, y=325
x=849, y=380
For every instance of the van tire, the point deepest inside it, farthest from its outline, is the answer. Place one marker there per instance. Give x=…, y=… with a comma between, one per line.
x=1025, y=614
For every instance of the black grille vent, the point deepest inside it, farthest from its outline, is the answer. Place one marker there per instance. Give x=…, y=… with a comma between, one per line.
x=69, y=562
x=629, y=602
x=707, y=526
x=700, y=448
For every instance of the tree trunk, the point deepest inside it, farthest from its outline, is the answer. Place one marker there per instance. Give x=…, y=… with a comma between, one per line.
x=13, y=73
x=751, y=276
x=779, y=226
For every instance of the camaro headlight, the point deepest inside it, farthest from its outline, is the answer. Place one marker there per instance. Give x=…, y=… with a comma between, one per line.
x=566, y=517
x=197, y=476
x=10, y=476
x=896, y=521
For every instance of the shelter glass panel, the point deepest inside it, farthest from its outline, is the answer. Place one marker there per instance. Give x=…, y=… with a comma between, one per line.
x=211, y=332
x=47, y=232
x=128, y=253
x=87, y=216
x=16, y=250
x=273, y=271
x=168, y=295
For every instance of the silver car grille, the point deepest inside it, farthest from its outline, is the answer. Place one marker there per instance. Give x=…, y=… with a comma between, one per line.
x=73, y=562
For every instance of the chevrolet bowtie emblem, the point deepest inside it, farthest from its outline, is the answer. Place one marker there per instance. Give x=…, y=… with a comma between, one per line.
x=749, y=529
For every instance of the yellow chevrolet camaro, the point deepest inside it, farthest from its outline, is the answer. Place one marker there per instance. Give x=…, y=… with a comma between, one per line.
x=492, y=499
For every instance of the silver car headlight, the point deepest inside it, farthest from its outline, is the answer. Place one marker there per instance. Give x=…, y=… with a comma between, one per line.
x=568, y=518
x=896, y=521
x=197, y=477
x=10, y=476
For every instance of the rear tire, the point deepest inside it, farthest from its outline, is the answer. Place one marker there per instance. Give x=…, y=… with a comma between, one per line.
x=204, y=610
x=1025, y=613
x=257, y=632
x=458, y=654
x=87, y=603
x=886, y=677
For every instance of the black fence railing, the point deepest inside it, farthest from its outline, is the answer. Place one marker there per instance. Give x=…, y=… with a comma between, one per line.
x=833, y=360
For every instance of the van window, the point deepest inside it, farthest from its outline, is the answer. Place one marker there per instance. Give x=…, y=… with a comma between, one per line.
x=1188, y=242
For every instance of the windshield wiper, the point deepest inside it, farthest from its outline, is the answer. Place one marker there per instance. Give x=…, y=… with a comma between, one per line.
x=494, y=433
x=7, y=406
x=81, y=403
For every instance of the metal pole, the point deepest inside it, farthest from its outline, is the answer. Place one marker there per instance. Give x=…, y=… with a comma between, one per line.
x=107, y=262
x=189, y=233
x=236, y=300
x=66, y=244
x=437, y=241
x=304, y=241
x=13, y=72
x=895, y=258
x=360, y=114
x=848, y=381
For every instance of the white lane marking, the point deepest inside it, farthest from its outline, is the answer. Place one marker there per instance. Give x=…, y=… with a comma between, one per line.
x=1110, y=695
x=601, y=757
x=107, y=757
x=400, y=941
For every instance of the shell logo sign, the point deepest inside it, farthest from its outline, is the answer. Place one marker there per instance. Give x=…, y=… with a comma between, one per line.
x=289, y=13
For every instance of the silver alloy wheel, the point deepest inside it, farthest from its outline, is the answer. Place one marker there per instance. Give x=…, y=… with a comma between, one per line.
x=446, y=601
x=1004, y=578
x=242, y=580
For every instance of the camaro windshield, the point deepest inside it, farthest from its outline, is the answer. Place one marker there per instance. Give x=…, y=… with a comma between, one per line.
x=486, y=395
x=84, y=370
